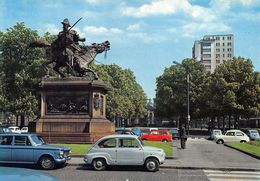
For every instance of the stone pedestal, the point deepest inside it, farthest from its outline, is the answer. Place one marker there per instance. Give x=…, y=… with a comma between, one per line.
x=73, y=110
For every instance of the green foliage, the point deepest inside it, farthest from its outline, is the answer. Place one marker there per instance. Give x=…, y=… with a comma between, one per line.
x=171, y=92
x=235, y=88
x=21, y=69
x=126, y=98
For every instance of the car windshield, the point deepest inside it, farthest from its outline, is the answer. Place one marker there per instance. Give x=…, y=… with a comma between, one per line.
x=142, y=143
x=37, y=140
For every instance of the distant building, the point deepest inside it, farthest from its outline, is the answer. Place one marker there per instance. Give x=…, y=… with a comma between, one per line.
x=213, y=50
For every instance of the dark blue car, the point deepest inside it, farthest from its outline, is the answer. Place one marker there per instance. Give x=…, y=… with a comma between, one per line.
x=31, y=149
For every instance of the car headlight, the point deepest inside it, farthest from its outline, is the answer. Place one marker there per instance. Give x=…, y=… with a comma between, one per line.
x=61, y=153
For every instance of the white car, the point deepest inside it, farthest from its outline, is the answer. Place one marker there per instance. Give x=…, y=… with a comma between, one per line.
x=124, y=150
x=14, y=129
x=24, y=130
x=232, y=136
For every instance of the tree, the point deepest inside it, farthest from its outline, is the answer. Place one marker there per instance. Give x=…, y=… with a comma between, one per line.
x=21, y=70
x=234, y=89
x=126, y=100
x=171, y=92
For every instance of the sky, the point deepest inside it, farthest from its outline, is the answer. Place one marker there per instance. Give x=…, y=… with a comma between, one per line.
x=145, y=35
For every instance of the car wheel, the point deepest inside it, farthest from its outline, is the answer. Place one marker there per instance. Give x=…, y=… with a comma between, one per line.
x=47, y=163
x=99, y=164
x=152, y=164
x=220, y=142
x=242, y=141
x=165, y=141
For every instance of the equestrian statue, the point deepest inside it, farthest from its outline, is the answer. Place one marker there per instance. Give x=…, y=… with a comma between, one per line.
x=66, y=51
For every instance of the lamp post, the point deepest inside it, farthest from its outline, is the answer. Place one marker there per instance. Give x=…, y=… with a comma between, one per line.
x=188, y=96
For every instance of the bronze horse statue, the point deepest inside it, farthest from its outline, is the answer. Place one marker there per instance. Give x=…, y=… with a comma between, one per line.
x=75, y=61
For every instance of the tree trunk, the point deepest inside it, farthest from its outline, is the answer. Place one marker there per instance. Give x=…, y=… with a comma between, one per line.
x=22, y=120
x=229, y=121
x=218, y=119
x=17, y=120
x=223, y=125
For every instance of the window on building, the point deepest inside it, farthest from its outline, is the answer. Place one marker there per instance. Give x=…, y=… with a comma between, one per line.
x=223, y=38
x=223, y=55
x=229, y=37
x=217, y=55
x=229, y=44
x=217, y=61
x=206, y=55
x=223, y=44
x=217, y=44
x=218, y=50
x=223, y=49
x=217, y=38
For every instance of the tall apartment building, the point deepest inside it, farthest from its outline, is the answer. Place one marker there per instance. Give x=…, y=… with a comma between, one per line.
x=213, y=50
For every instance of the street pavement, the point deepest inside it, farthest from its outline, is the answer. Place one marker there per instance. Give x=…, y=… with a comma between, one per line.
x=74, y=173
x=203, y=153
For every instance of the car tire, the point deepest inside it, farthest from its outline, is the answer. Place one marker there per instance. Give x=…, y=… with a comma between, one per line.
x=152, y=164
x=46, y=163
x=242, y=141
x=164, y=140
x=220, y=142
x=99, y=164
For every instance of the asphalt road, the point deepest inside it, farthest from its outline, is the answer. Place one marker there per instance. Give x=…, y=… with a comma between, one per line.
x=73, y=173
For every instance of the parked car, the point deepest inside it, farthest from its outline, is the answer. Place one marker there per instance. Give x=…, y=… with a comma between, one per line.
x=232, y=136
x=31, y=149
x=136, y=131
x=124, y=150
x=175, y=133
x=14, y=129
x=12, y=173
x=24, y=130
x=6, y=130
x=253, y=135
x=157, y=135
x=214, y=133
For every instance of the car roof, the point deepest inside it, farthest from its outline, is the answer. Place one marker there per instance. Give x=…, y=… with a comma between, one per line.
x=18, y=134
x=235, y=130
x=160, y=130
x=119, y=136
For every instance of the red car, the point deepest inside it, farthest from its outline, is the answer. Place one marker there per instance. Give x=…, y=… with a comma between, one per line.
x=157, y=135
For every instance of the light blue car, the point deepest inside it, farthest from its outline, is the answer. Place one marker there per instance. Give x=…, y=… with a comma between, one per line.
x=22, y=174
x=31, y=149
x=253, y=135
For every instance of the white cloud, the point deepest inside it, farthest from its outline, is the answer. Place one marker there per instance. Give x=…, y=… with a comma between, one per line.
x=134, y=27
x=146, y=38
x=194, y=29
x=101, y=30
x=169, y=7
x=52, y=29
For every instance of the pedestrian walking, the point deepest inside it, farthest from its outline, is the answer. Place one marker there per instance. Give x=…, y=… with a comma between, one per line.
x=183, y=136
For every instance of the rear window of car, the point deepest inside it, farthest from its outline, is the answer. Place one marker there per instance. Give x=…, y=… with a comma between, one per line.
x=6, y=140
x=107, y=143
x=239, y=134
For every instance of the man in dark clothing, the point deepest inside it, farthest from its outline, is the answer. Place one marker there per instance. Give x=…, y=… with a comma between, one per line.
x=183, y=136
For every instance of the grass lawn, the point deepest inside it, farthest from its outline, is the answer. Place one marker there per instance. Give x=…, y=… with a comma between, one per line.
x=250, y=147
x=81, y=149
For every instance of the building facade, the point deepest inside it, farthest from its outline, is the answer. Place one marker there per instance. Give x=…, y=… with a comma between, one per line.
x=213, y=50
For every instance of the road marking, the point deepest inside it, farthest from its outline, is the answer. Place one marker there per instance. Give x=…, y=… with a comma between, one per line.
x=217, y=175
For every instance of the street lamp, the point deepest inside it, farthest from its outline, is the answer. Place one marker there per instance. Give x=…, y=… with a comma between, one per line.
x=188, y=96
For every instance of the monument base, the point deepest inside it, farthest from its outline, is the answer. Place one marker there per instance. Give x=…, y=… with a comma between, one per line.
x=72, y=111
